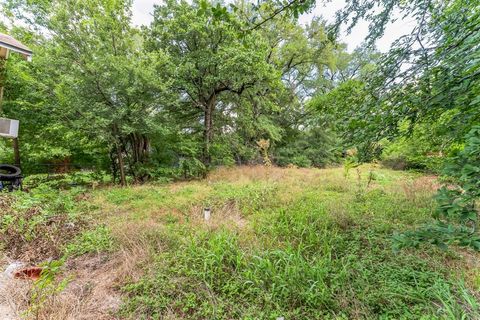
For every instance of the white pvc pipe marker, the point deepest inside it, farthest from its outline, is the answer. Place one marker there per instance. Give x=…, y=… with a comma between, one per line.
x=206, y=213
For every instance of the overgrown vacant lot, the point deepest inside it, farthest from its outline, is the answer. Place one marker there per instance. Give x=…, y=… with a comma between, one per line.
x=292, y=243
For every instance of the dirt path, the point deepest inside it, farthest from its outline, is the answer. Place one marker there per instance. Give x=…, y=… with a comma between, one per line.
x=7, y=312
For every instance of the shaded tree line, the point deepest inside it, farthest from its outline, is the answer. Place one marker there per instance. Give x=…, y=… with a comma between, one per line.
x=197, y=88
x=205, y=82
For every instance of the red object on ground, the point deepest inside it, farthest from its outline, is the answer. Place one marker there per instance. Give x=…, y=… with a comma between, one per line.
x=32, y=273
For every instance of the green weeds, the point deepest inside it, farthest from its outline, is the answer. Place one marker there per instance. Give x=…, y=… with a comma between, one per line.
x=91, y=241
x=35, y=225
x=321, y=255
x=47, y=287
x=299, y=244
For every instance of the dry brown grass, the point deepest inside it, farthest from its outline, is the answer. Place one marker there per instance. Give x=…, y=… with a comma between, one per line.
x=13, y=293
x=227, y=215
x=242, y=174
x=420, y=189
x=247, y=174
x=94, y=291
x=35, y=242
x=14, y=297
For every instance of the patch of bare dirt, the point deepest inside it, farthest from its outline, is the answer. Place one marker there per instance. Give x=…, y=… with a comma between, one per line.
x=13, y=292
x=93, y=292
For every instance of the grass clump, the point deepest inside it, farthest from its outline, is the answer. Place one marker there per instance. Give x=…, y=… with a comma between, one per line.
x=213, y=276
x=91, y=241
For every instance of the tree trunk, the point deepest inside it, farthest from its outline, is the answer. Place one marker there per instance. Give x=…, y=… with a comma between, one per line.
x=208, y=130
x=140, y=145
x=113, y=153
x=121, y=167
x=118, y=149
x=16, y=152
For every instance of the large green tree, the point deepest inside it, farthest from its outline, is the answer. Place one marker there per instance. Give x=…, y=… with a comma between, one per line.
x=104, y=84
x=214, y=60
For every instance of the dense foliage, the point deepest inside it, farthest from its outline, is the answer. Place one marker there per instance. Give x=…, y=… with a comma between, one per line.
x=204, y=82
x=457, y=212
x=208, y=84
x=197, y=88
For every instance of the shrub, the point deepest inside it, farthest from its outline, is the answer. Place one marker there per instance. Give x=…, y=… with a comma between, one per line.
x=409, y=153
x=420, y=147
x=457, y=205
x=314, y=147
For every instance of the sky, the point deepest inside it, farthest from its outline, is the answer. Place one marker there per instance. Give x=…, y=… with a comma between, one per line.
x=142, y=15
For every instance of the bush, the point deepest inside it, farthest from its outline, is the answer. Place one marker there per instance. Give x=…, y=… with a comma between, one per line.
x=66, y=180
x=191, y=168
x=407, y=153
x=301, y=161
x=314, y=147
x=457, y=205
x=422, y=147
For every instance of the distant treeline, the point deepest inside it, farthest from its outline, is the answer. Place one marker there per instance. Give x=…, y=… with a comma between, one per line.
x=207, y=84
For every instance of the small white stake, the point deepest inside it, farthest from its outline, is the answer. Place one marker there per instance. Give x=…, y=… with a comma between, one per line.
x=206, y=213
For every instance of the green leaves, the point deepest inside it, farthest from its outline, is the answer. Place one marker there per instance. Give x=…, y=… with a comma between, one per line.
x=96, y=83
x=216, y=64
x=454, y=205
x=457, y=210
x=217, y=12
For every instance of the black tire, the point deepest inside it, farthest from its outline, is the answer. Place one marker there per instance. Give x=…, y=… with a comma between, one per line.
x=8, y=171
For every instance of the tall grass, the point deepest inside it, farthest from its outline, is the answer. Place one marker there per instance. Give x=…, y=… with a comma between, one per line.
x=316, y=245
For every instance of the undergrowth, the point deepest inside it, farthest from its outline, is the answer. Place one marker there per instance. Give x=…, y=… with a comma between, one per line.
x=291, y=243
x=37, y=225
x=322, y=251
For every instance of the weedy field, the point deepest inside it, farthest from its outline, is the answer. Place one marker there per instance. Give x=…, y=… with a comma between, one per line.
x=291, y=243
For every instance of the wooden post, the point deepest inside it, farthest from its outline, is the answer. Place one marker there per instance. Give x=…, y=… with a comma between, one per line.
x=123, y=180
x=1, y=96
x=16, y=152
x=3, y=63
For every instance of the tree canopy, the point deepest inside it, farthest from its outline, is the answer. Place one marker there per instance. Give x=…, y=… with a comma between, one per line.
x=205, y=81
